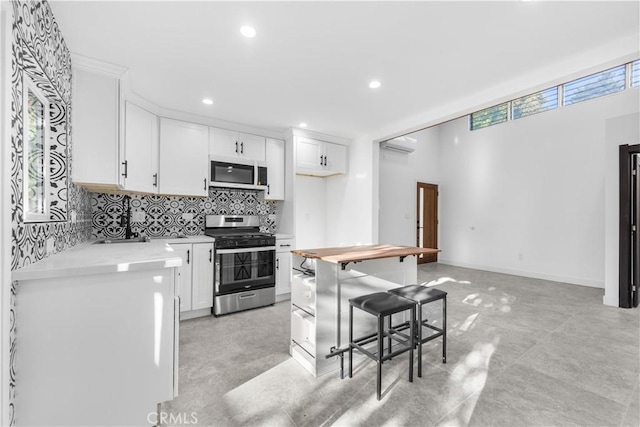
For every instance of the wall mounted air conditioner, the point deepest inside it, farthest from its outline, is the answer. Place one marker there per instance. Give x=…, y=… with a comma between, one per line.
x=403, y=144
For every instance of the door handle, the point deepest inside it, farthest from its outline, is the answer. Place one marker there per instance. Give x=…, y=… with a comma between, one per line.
x=246, y=296
x=210, y=255
x=242, y=148
x=268, y=189
x=126, y=169
x=155, y=179
x=321, y=160
x=325, y=160
x=277, y=263
x=205, y=184
x=236, y=147
x=188, y=256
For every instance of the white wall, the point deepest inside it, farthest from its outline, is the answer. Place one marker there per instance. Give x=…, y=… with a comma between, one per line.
x=399, y=174
x=350, y=199
x=527, y=196
x=310, y=212
x=619, y=130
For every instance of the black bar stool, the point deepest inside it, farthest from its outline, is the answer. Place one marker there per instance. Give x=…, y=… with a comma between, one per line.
x=423, y=295
x=381, y=305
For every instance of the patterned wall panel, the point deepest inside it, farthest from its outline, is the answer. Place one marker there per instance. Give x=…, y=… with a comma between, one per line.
x=39, y=51
x=164, y=214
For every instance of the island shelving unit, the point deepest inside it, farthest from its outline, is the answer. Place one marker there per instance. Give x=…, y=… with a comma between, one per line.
x=324, y=280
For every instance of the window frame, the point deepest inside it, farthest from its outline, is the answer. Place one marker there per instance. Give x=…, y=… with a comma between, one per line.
x=28, y=216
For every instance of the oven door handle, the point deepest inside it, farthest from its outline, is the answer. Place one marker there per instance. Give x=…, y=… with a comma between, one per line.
x=244, y=250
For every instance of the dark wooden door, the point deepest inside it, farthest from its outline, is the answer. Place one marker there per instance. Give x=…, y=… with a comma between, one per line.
x=427, y=220
x=629, y=258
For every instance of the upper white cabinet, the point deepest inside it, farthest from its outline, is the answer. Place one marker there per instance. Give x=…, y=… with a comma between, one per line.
x=320, y=158
x=183, y=158
x=140, y=160
x=229, y=143
x=96, y=110
x=275, y=169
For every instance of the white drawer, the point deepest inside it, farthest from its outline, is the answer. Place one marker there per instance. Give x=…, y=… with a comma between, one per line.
x=284, y=245
x=303, y=292
x=303, y=330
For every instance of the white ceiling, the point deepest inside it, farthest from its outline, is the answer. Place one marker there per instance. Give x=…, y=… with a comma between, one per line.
x=312, y=61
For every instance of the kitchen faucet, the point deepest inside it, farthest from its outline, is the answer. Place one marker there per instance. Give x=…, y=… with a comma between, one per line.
x=125, y=219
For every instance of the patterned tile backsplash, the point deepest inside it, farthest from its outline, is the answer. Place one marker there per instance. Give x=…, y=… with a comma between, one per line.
x=165, y=215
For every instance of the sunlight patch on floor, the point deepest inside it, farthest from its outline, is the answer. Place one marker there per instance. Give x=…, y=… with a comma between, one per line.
x=469, y=377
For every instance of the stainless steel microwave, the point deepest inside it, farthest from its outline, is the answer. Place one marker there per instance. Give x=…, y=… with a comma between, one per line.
x=237, y=173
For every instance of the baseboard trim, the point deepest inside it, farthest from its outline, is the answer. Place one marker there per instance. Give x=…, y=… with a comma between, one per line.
x=561, y=279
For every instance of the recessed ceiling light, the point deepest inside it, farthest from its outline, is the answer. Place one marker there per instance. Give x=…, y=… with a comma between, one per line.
x=207, y=101
x=374, y=84
x=248, y=31
x=303, y=125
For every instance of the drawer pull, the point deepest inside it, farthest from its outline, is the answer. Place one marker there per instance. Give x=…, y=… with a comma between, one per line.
x=246, y=296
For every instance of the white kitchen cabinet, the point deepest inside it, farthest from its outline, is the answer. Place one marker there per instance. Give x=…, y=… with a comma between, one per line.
x=275, y=169
x=202, y=276
x=195, y=275
x=283, y=267
x=229, y=143
x=96, y=110
x=183, y=275
x=140, y=160
x=320, y=158
x=94, y=334
x=183, y=158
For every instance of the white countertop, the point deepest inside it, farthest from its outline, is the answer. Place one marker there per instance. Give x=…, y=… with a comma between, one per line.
x=95, y=258
x=284, y=236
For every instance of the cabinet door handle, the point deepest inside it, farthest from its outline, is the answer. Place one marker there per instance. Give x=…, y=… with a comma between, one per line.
x=268, y=189
x=277, y=263
x=126, y=169
x=325, y=160
x=242, y=148
x=205, y=184
x=285, y=246
x=155, y=179
x=321, y=160
x=210, y=255
x=236, y=147
x=188, y=256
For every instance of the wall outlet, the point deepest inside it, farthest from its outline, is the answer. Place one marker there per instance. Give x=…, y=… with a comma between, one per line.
x=138, y=216
x=187, y=216
x=50, y=245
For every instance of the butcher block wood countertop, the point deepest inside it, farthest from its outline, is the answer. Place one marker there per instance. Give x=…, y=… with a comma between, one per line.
x=346, y=254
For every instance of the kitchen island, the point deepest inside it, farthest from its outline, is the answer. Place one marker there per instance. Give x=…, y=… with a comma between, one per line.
x=324, y=280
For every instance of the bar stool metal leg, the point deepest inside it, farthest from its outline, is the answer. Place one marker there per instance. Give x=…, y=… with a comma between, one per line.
x=350, y=341
x=419, y=340
x=444, y=329
x=412, y=341
x=380, y=350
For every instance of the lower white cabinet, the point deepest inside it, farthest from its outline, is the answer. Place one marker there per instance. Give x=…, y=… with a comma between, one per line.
x=195, y=277
x=283, y=266
x=92, y=342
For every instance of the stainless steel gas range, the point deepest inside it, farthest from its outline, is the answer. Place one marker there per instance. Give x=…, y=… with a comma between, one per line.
x=244, y=263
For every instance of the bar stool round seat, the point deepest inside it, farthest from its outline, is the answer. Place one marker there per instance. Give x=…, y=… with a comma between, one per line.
x=423, y=295
x=382, y=305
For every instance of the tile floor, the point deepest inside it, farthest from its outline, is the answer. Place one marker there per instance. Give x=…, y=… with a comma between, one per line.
x=521, y=352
